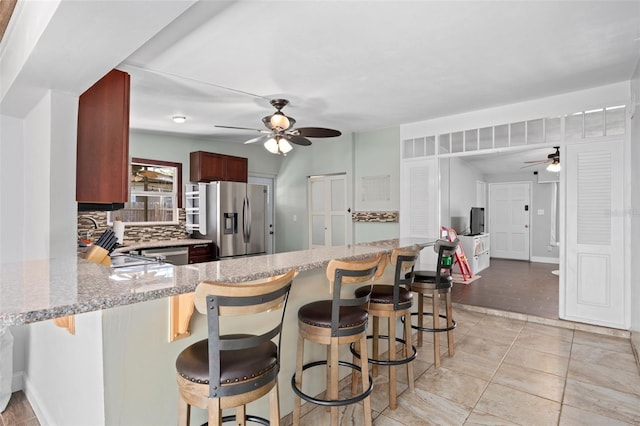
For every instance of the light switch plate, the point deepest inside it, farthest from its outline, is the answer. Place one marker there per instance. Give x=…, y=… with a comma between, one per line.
x=540, y=212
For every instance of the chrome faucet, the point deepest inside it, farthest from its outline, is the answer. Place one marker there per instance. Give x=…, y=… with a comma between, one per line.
x=95, y=224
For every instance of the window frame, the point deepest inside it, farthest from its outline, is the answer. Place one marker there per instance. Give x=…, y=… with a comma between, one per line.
x=176, y=194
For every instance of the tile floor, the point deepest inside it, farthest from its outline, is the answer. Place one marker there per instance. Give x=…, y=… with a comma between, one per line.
x=508, y=369
x=510, y=372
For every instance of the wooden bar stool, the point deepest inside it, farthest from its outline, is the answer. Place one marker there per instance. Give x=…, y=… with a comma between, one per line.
x=231, y=370
x=434, y=284
x=392, y=302
x=342, y=320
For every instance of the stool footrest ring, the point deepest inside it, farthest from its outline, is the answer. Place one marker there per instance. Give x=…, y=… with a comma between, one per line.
x=327, y=402
x=432, y=330
x=401, y=361
x=248, y=418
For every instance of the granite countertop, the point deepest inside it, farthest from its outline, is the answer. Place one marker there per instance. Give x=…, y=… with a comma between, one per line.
x=39, y=290
x=161, y=243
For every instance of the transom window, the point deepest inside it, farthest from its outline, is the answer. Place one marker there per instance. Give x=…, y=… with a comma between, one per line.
x=155, y=193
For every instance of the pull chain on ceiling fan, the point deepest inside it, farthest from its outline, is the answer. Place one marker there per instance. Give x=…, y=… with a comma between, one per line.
x=280, y=132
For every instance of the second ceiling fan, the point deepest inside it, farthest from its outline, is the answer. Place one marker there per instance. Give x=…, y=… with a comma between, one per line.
x=279, y=132
x=553, y=159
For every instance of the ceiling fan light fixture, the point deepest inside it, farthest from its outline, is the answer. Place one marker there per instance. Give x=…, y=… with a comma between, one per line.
x=285, y=146
x=554, y=167
x=279, y=121
x=272, y=146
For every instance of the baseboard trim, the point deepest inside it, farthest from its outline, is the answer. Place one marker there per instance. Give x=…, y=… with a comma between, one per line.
x=44, y=417
x=540, y=259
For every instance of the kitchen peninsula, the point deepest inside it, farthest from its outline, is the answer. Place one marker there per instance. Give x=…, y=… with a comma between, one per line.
x=119, y=367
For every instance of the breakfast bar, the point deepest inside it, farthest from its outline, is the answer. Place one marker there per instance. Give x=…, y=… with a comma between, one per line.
x=118, y=368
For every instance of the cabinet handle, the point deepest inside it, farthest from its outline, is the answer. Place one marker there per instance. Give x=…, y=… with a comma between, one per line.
x=199, y=245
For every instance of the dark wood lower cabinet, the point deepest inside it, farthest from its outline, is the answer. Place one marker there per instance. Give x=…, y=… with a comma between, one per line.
x=199, y=253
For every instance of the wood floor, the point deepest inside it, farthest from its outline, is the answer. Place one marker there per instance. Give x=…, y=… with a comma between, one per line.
x=515, y=286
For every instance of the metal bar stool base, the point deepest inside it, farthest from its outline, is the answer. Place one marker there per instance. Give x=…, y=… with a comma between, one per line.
x=394, y=362
x=248, y=418
x=327, y=402
x=432, y=330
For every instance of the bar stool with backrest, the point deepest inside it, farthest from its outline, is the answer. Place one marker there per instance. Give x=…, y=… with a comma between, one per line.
x=393, y=302
x=231, y=370
x=341, y=320
x=436, y=283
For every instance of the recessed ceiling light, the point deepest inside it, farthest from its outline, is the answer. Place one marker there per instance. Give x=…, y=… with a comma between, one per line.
x=179, y=118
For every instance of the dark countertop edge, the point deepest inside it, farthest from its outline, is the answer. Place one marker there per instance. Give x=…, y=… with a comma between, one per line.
x=161, y=244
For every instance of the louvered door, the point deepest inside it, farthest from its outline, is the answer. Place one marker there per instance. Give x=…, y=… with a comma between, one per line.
x=594, y=287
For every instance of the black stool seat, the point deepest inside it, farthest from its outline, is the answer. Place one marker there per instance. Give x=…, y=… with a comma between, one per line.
x=318, y=314
x=235, y=366
x=430, y=277
x=384, y=294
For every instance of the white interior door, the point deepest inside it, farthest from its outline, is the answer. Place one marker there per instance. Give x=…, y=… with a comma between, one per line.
x=269, y=222
x=329, y=213
x=594, y=288
x=509, y=219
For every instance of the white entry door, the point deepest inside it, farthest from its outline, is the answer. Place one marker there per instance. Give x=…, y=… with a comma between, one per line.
x=329, y=213
x=268, y=226
x=594, y=287
x=509, y=220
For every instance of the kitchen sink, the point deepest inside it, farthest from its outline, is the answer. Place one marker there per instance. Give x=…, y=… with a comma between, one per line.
x=126, y=260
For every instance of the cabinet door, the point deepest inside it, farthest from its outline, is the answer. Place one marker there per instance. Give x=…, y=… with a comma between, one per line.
x=235, y=169
x=206, y=167
x=199, y=253
x=102, y=166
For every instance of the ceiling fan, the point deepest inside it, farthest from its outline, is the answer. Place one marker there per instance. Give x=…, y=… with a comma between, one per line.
x=553, y=160
x=280, y=133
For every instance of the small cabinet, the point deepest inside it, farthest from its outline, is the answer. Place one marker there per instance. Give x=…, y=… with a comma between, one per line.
x=209, y=166
x=199, y=253
x=102, y=161
x=476, y=249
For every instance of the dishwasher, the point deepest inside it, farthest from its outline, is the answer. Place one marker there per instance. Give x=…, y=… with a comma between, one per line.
x=173, y=255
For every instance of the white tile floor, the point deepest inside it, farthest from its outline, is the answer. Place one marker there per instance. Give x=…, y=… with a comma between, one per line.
x=510, y=372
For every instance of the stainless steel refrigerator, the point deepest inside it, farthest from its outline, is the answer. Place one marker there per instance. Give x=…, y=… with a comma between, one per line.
x=236, y=218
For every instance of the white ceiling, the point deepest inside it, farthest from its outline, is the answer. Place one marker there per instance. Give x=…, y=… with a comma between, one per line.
x=366, y=65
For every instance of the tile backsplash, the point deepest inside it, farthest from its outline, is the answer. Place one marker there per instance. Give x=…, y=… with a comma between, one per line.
x=133, y=233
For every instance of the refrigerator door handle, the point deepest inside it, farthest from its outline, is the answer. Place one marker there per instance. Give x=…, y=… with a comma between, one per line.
x=248, y=220
x=245, y=220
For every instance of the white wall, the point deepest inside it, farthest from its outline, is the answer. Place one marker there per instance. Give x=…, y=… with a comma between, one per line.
x=64, y=380
x=596, y=97
x=460, y=194
x=176, y=148
x=377, y=153
x=540, y=225
x=325, y=156
x=11, y=188
x=634, y=134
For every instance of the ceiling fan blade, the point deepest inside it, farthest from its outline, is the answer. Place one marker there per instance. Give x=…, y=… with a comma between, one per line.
x=318, y=132
x=538, y=161
x=298, y=140
x=242, y=128
x=533, y=165
x=260, y=139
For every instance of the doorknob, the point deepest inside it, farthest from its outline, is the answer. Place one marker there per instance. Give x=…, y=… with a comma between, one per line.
x=526, y=226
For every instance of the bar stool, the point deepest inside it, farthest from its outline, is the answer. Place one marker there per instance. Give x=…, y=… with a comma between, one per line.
x=231, y=370
x=341, y=320
x=434, y=284
x=392, y=302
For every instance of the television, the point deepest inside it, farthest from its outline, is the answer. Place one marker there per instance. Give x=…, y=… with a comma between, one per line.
x=476, y=221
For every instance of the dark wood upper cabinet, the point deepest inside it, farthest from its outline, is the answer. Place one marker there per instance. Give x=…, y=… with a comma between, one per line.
x=102, y=166
x=209, y=166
